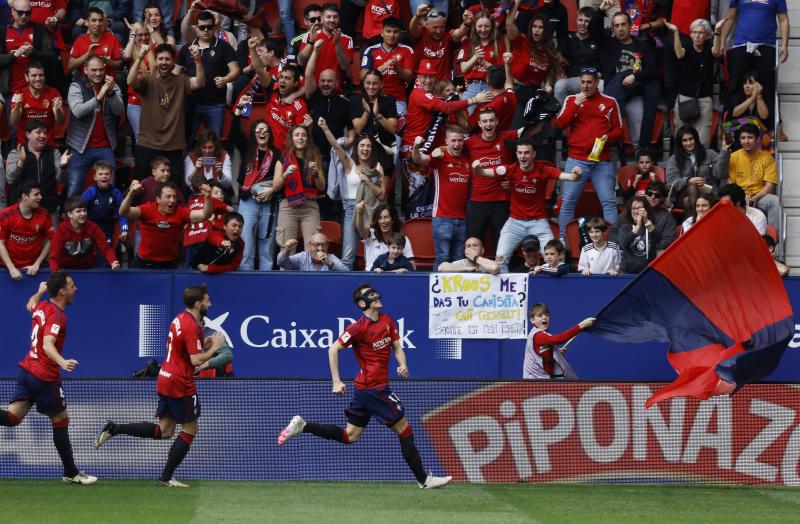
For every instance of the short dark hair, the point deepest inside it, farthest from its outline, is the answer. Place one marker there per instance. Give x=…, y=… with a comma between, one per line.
x=734, y=192
x=166, y=48
x=748, y=128
x=56, y=282
x=397, y=238
x=660, y=187
x=158, y=161
x=33, y=64
x=357, y=291
x=271, y=45
x=769, y=241
x=555, y=244
x=294, y=69
x=596, y=223
x=26, y=186
x=165, y=185
x=644, y=152
x=103, y=164
x=496, y=76
x=330, y=6
x=374, y=72
x=206, y=15
x=392, y=22
x=233, y=215
x=586, y=11
x=194, y=294
x=96, y=10
x=74, y=203
x=35, y=123
x=526, y=142
x=621, y=13
x=311, y=8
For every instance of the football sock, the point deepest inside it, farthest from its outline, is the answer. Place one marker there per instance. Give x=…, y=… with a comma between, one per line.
x=177, y=453
x=138, y=429
x=327, y=431
x=64, y=447
x=8, y=419
x=411, y=454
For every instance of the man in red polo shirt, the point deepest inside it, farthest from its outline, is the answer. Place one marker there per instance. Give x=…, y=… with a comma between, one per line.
x=162, y=224
x=98, y=41
x=283, y=110
x=451, y=172
x=25, y=233
x=36, y=100
x=337, y=51
x=528, y=181
x=433, y=42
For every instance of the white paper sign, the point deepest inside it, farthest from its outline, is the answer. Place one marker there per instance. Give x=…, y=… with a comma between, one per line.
x=470, y=305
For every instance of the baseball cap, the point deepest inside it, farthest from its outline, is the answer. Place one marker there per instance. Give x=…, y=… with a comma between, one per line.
x=426, y=67
x=530, y=243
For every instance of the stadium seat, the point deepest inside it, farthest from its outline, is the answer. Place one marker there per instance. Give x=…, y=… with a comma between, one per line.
x=572, y=16
x=419, y=231
x=626, y=174
x=658, y=124
x=772, y=232
x=360, y=263
x=573, y=244
x=332, y=230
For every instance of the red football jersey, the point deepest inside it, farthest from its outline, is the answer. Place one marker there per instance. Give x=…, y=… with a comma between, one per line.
x=108, y=47
x=176, y=378
x=421, y=107
x=371, y=341
x=24, y=236
x=48, y=320
x=161, y=234
x=451, y=179
x=41, y=108
x=440, y=52
x=14, y=40
x=198, y=232
x=491, y=154
x=281, y=117
x=327, y=56
x=375, y=12
x=41, y=10
x=375, y=56
x=523, y=67
x=528, y=190
x=504, y=105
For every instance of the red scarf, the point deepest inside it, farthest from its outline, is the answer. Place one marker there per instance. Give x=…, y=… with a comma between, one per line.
x=253, y=175
x=299, y=186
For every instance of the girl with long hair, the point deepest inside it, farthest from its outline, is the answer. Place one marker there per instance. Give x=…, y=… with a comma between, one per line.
x=479, y=52
x=693, y=169
x=210, y=160
x=139, y=39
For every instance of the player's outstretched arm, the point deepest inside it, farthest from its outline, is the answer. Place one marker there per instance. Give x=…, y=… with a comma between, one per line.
x=36, y=297
x=333, y=361
x=400, y=356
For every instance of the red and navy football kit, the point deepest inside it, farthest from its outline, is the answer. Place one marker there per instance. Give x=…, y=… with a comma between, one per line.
x=177, y=393
x=372, y=341
x=39, y=380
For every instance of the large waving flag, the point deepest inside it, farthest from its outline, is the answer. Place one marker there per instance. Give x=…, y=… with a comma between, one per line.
x=715, y=297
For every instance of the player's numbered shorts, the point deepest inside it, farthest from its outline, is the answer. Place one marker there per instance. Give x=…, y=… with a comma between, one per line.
x=48, y=396
x=183, y=409
x=379, y=403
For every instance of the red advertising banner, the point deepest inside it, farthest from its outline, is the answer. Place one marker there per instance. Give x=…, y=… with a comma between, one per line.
x=558, y=431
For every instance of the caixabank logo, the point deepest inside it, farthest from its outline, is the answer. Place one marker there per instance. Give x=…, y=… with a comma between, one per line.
x=570, y=431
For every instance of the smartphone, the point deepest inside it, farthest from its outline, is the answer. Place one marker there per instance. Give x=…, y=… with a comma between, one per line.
x=208, y=160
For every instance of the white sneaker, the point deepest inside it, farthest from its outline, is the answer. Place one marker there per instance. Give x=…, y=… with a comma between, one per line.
x=294, y=428
x=172, y=483
x=435, y=482
x=80, y=478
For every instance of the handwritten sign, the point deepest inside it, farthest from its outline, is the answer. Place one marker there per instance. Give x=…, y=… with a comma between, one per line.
x=469, y=305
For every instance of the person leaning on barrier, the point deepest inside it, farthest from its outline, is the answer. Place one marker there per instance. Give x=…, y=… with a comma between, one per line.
x=473, y=260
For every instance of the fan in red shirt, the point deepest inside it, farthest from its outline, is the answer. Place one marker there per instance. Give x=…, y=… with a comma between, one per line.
x=337, y=51
x=162, y=224
x=504, y=103
x=177, y=394
x=39, y=379
x=393, y=60
x=283, y=113
x=50, y=14
x=433, y=42
x=37, y=100
x=528, y=182
x=222, y=250
x=19, y=43
x=25, y=232
x=372, y=337
x=77, y=240
x=451, y=172
x=98, y=41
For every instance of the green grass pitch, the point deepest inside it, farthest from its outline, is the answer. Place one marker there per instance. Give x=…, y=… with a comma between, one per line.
x=139, y=501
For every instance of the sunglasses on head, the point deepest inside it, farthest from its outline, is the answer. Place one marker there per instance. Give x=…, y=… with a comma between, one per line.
x=205, y=27
x=436, y=14
x=588, y=70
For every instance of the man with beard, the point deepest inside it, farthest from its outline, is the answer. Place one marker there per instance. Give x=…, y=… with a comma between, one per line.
x=36, y=101
x=162, y=224
x=336, y=52
x=96, y=104
x=177, y=393
x=285, y=111
x=164, y=95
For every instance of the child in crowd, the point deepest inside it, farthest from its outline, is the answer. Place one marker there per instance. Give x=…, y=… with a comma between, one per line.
x=554, y=264
x=197, y=233
x=159, y=174
x=393, y=261
x=783, y=269
x=601, y=257
x=542, y=358
x=644, y=174
x=103, y=201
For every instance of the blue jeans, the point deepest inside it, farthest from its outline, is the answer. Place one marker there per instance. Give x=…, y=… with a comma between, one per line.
x=350, y=237
x=472, y=89
x=259, y=229
x=439, y=4
x=80, y=164
x=603, y=178
x=449, y=235
x=134, y=116
x=649, y=93
x=286, y=8
x=513, y=233
x=212, y=116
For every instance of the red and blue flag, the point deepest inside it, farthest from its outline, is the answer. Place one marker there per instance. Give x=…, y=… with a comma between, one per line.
x=716, y=299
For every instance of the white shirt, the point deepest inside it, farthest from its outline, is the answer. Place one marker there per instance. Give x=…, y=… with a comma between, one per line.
x=599, y=261
x=373, y=248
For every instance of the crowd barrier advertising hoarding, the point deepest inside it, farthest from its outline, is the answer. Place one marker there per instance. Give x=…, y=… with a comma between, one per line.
x=280, y=325
x=477, y=431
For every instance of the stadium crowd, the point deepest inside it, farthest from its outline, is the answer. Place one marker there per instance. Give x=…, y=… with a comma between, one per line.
x=384, y=135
